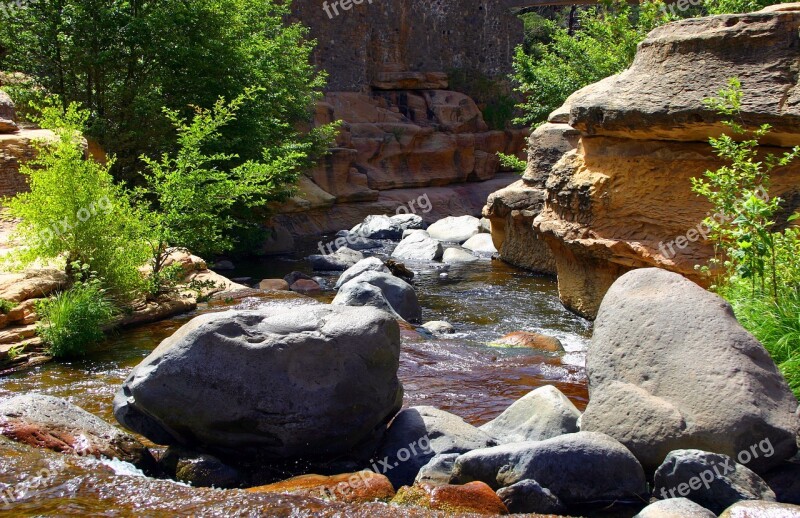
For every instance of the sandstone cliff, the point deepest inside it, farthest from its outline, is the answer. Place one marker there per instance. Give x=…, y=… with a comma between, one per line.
x=619, y=198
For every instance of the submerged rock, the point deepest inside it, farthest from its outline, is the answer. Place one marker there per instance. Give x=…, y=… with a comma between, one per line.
x=542, y=414
x=58, y=425
x=273, y=285
x=687, y=375
x=531, y=340
x=361, y=487
x=398, y=294
x=309, y=382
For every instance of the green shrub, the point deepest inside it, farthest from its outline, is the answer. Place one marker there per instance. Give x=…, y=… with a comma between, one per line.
x=511, y=162
x=6, y=306
x=74, y=319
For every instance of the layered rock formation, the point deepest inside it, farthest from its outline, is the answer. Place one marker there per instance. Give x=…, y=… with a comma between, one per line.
x=621, y=198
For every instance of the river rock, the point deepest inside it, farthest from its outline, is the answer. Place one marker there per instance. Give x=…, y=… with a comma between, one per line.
x=400, y=295
x=273, y=285
x=56, y=424
x=354, y=242
x=417, y=434
x=785, y=482
x=578, y=468
x=675, y=508
x=418, y=247
x=370, y=264
x=413, y=231
x=717, y=389
x=306, y=286
x=455, y=229
x=480, y=243
x=711, y=480
x=471, y=498
x=8, y=117
x=313, y=381
x=756, y=509
x=542, y=414
x=409, y=221
x=296, y=276
x=438, y=470
x=457, y=256
x=338, y=261
x=379, y=227
x=205, y=470
x=352, y=488
x=439, y=327
x=530, y=339
x=527, y=496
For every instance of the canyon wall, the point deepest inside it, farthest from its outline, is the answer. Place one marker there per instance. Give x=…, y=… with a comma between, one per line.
x=609, y=176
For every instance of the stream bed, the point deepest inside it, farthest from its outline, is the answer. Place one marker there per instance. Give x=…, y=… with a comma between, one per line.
x=459, y=373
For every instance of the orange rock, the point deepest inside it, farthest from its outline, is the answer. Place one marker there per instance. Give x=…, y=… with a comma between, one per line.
x=364, y=486
x=474, y=497
x=306, y=286
x=274, y=285
x=532, y=340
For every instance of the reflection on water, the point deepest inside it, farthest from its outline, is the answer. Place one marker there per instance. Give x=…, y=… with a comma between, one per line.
x=460, y=374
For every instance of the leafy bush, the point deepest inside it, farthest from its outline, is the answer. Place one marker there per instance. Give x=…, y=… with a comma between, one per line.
x=511, y=162
x=74, y=319
x=75, y=212
x=6, y=306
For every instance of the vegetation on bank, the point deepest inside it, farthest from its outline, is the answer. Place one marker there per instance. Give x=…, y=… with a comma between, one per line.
x=756, y=255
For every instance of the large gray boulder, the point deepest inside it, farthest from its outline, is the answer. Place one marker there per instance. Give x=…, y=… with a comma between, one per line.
x=314, y=381
x=670, y=368
x=419, y=247
x=409, y=221
x=417, y=435
x=8, y=118
x=49, y=422
x=578, y=468
x=370, y=264
x=455, y=229
x=481, y=244
x=711, y=480
x=675, y=508
x=542, y=414
x=380, y=227
x=400, y=295
x=338, y=261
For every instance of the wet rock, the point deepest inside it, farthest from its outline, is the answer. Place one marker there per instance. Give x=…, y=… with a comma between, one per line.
x=717, y=390
x=418, y=434
x=317, y=381
x=675, y=508
x=542, y=414
x=455, y=229
x=480, y=243
x=578, y=468
x=338, y=261
x=400, y=295
x=712, y=480
x=457, y=256
x=438, y=470
x=370, y=264
x=755, y=509
x=296, y=276
x=439, y=327
x=380, y=227
x=475, y=497
x=55, y=424
x=418, y=247
x=409, y=221
x=353, y=488
x=306, y=286
x=202, y=470
x=527, y=496
x=273, y=285
x=531, y=340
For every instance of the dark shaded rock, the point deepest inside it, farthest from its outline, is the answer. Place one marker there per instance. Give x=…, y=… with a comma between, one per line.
x=527, y=496
x=338, y=261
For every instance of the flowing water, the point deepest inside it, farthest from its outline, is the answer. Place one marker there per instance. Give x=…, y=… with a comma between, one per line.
x=460, y=373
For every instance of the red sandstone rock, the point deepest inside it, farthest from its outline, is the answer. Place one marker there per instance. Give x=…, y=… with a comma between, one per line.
x=474, y=497
x=364, y=486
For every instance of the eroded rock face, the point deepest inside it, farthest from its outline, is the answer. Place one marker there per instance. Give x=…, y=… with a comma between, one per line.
x=621, y=199
x=687, y=375
x=310, y=382
x=8, y=117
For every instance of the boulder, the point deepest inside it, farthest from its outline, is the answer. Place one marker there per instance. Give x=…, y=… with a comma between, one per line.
x=418, y=247
x=33, y=283
x=380, y=227
x=203, y=470
x=785, y=482
x=455, y=229
x=531, y=340
x=480, y=243
x=357, y=294
x=411, y=231
x=56, y=424
x=756, y=509
x=438, y=470
x=400, y=295
x=354, y=242
x=338, y=261
x=273, y=285
x=418, y=434
x=675, y=508
x=370, y=264
x=458, y=256
x=409, y=221
x=577, y=468
x=296, y=276
x=306, y=286
x=311, y=382
x=472, y=498
x=8, y=117
x=687, y=375
x=361, y=487
x=527, y=496
x=711, y=480
x=541, y=414
x=439, y=327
